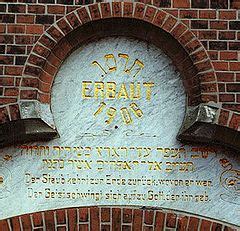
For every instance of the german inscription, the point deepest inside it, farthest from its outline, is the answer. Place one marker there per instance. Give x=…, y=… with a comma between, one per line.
x=118, y=104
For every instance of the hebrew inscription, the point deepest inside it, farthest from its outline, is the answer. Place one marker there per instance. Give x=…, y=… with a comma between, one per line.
x=118, y=104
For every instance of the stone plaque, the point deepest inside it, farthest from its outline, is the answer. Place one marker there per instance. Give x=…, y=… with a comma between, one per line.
x=118, y=104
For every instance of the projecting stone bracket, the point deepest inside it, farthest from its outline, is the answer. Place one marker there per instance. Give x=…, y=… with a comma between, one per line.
x=200, y=126
x=36, y=125
x=25, y=130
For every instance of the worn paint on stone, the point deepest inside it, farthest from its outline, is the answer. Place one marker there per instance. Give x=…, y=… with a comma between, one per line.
x=118, y=104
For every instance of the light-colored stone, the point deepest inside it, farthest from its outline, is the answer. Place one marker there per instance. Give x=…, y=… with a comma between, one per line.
x=96, y=163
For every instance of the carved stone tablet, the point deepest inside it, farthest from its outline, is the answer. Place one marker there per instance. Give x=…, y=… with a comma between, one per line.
x=118, y=104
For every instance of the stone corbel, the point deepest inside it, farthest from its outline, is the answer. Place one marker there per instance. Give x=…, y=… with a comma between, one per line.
x=200, y=126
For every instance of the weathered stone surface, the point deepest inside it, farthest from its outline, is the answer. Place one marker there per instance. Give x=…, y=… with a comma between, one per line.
x=123, y=161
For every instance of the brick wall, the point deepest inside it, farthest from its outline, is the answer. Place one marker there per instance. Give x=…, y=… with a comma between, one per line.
x=112, y=218
x=208, y=30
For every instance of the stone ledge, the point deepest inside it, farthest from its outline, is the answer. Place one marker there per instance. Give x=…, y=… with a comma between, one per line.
x=25, y=130
x=201, y=126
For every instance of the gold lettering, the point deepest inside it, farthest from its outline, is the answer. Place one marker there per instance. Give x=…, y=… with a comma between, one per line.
x=135, y=93
x=148, y=90
x=126, y=115
x=111, y=90
x=136, y=110
x=100, y=109
x=123, y=92
x=111, y=114
x=98, y=88
x=85, y=89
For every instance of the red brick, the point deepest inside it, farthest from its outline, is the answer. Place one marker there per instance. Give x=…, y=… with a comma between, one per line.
x=235, y=4
x=11, y=91
x=169, y=23
x=45, y=77
x=2, y=28
x=6, y=81
x=225, y=77
x=205, y=225
x=94, y=11
x=41, y=50
x=203, y=66
x=55, y=9
x=95, y=219
x=14, y=113
x=207, y=14
x=16, y=29
x=83, y=214
x=137, y=220
x=73, y=20
x=34, y=29
x=207, y=77
x=149, y=14
x=61, y=216
x=64, y=26
x=193, y=45
x=182, y=223
x=173, y=12
x=148, y=217
x=24, y=39
x=127, y=9
x=105, y=214
x=227, y=35
x=53, y=60
x=36, y=9
x=37, y=219
x=193, y=224
x=83, y=15
x=159, y=221
x=171, y=220
x=235, y=121
x=13, y=70
x=220, y=66
x=186, y=37
x=72, y=219
x=181, y=3
x=234, y=66
x=228, y=15
x=17, y=8
x=139, y=10
x=219, y=25
x=226, y=98
x=55, y=33
x=28, y=94
x=188, y=13
x=44, y=98
x=47, y=41
x=84, y=227
x=233, y=87
x=208, y=34
x=127, y=215
x=223, y=120
x=116, y=219
x=15, y=220
x=232, y=107
x=3, y=224
x=6, y=59
x=105, y=9
x=4, y=117
x=208, y=87
x=49, y=220
x=159, y=18
x=28, y=19
x=105, y=227
x=117, y=9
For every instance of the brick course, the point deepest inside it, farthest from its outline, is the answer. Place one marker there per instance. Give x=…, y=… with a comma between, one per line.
x=32, y=30
x=112, y=218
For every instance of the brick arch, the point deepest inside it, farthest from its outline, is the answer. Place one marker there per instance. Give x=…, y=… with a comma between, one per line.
x=205, y=119
x=57, y=43
x=113, y=218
